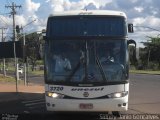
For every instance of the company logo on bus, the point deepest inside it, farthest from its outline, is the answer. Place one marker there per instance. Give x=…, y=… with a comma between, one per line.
x=85, y=13
x=88, y=89
x=85, y=94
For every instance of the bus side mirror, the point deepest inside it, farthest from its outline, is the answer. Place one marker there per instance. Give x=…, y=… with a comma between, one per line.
x=134, y=51
x=131, y=42
x=45, y=38
x=44, y=34
x=130, y=28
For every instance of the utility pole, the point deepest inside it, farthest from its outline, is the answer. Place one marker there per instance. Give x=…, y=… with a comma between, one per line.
x=4, y=61
x=13, y=12
x=24, y=65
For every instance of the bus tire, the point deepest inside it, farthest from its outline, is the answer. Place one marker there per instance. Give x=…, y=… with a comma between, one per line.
x=116, y=114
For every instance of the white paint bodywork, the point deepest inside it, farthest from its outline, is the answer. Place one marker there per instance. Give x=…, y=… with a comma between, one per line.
x=104, y=104
x=89, y=12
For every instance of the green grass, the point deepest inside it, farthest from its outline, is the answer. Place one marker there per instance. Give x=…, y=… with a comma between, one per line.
x=9, y=79
x=11, y=68
x=6, y=79
x=37, y=72
x=145, y=71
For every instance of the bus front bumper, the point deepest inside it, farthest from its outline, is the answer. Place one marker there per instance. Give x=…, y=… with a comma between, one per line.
x=96, y=105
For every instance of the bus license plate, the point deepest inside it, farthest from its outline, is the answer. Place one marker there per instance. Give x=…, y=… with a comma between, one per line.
x=86, y=106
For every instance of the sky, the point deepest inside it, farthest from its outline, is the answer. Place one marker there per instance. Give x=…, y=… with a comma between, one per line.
x=139, y=12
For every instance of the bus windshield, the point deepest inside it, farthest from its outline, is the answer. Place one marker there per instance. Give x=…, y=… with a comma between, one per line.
x=67, y=26
x=85, y=61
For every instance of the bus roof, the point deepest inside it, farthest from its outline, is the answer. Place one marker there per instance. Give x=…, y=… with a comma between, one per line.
x=89, y=12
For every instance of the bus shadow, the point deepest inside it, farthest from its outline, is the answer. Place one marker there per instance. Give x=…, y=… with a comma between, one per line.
x=73, y=116
x=15, y=102
x=31, y=106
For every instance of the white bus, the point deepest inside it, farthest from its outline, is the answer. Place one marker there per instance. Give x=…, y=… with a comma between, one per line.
x=86, y=61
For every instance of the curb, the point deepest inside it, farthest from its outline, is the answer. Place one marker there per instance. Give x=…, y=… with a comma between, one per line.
x=143, y=73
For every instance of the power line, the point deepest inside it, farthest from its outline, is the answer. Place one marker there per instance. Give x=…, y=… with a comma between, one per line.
x=148, y=28
x=4, y=13
x=9, y=2
x=1, y=19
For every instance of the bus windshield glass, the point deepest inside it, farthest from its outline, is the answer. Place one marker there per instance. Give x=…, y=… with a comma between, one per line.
x=85, y=61
x=68, y=26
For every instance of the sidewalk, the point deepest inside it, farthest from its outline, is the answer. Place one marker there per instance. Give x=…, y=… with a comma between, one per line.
x=8, y=91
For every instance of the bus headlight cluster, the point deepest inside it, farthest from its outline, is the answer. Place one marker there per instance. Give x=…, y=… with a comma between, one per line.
x=54, y=95
x=118, y=95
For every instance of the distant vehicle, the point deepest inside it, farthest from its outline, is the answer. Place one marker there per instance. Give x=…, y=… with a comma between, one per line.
x=82, y=40
x=21, y=66
x=20, y=70
x=1, y=69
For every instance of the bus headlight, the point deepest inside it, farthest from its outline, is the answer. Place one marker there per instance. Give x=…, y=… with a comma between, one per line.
x=54, y=95
x=117, y=95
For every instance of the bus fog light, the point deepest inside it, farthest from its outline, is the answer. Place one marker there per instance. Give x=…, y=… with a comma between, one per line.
x=124, y=104
x=119, y=105
x=49, y=94
x=118, y=95
x=48, y=104
x=54, y=95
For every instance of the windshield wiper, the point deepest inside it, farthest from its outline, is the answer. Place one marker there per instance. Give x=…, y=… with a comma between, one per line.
x=81, y=61
x=99, y=65
x=73, y=71
x=101, y=68
x=86, y=62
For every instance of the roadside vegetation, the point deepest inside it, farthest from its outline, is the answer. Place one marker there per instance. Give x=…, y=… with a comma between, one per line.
x=9, y=79
x=145, y=72
x=148, y=57
x=37, y=72
x=6, y=79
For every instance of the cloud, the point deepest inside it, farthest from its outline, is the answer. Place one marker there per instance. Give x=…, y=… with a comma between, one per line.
x=29, y=14
x=20, y=20
x=140, y=12
x=139, y=9
x=30, y=6
x=62, y=5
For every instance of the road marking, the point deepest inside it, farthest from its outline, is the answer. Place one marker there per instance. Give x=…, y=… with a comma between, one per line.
x=35, y=104
x=138, y=111
x=26, y=111
x=39, y=106
x=30, y=104
x=30, y=101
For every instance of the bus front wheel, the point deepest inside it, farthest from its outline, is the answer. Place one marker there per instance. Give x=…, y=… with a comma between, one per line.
x=116, y=113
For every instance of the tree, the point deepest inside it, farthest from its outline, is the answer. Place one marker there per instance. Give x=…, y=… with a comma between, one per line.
x=33, y=43
x=132, y=59
x=152, y=48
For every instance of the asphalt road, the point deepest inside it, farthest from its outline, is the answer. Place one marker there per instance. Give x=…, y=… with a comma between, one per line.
x=144, y=98
x=144, y=94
